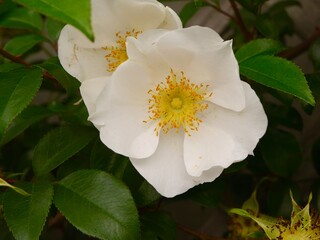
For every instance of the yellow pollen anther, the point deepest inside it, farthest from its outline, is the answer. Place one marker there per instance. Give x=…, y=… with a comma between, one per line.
x=118, y=53
x=176, y=103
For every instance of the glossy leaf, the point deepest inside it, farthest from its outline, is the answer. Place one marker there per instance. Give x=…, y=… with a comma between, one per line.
x=21, y=44
x=17, y=88
x=29, y=116
x=58, y=146
x=54, y=67
x=77, y=14
x=22, y=18
x=26, y=216
x=98, y=204
x=279, y=74
x=258, y=47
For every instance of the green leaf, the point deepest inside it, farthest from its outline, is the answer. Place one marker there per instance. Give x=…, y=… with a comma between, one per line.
x=7, y=67
x=26, y=216
x=21, y=18
x=189, y=10
x=5, y=233
x=21, y=44
x=281, y=152
x=77, y=14
x=6, y=5
x=258, y=47
x=145, y=195
x=155, y=225
x=58, y=146
x=120, y=166
x=17, y=88
x=3, y=183
x=98, y=204
x=279, y=74
x=28, y=117
x=54, y=67
x=53, y=28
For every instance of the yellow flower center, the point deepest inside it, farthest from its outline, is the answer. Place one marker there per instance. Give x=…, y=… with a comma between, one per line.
x=118, y=53
x=176, y=103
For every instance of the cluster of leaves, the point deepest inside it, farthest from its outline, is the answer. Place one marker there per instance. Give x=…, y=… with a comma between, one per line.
x=58, y=179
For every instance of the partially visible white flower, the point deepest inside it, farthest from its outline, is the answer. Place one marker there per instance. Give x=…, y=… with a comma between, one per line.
x=178, y=109
x=112, y=21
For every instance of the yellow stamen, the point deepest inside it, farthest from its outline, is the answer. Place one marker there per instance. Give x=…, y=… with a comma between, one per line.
x=176, y=102
x=118, y=53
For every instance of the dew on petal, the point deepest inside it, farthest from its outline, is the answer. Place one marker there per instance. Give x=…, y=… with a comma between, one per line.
x=117, y=54
x=176, y=103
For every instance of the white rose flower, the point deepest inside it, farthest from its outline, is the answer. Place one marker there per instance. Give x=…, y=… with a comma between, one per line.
x=178, y=109
x=112, y=21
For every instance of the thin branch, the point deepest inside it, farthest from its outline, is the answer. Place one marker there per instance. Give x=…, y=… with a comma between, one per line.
x=302, y=47
x=218, y=9
x=56, y=220
x=19, y=60
x=240, y=21
x=13, y=58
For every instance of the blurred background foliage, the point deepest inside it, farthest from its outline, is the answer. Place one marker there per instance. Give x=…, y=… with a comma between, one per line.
x=45, y=137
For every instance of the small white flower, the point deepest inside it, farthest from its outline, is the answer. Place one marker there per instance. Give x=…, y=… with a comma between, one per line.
x=178, y=109
x=112, y=21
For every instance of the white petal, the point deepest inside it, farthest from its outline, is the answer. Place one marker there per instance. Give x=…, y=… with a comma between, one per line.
x=225, y=136
x=201, y=54
x=165, y=169
x=121, y=110
x=103, y=23
x=82, y=63
x=214, y=65
x=91, y=89
x=145, y=14
x=207, y=148
x=171, y=21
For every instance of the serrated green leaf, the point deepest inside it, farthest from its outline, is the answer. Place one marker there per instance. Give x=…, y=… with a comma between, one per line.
x=258, y=47
x=77, y=14
x=54, y=67
x=58, y=146
x=281, y=152
x=28, y=117
x=17, y=88
x=7, y=67
x=3, y=183
x=21, y=44
x=155, y=225
x=22, y=18
x=279, y=74
x=98, y=204
x=26, y=216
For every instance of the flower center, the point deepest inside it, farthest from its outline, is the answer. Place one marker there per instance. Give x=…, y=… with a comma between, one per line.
x=176, y=103
x=118, y=53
